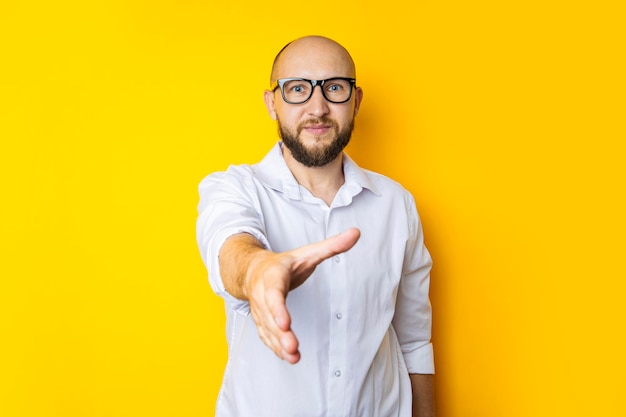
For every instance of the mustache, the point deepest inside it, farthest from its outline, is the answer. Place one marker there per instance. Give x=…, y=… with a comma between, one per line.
x=317, y=121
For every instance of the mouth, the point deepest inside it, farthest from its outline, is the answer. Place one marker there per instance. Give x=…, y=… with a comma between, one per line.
x=317, y=130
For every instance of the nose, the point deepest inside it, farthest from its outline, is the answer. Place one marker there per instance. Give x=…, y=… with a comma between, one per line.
x=317, y=104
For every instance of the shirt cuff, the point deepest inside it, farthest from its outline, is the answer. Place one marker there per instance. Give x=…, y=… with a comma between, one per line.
x=420, y=360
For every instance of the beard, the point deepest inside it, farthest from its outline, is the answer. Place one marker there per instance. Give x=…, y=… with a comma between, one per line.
x=317, y=157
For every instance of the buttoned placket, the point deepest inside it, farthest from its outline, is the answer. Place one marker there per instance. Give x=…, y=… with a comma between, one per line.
x=337, y=373
x=337, y=315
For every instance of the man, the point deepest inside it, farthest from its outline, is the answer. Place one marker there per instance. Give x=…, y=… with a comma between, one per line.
x=318, y=261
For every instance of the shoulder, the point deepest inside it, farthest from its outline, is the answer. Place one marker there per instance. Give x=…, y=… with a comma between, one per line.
x=234, y=173
x=396, y=197
x=387, y=187
x=235, y=178
x=237, y=183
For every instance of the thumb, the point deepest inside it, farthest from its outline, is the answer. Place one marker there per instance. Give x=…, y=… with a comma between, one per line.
x=317, y=252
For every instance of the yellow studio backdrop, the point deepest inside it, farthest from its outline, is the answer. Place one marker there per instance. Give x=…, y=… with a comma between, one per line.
x=504, y=119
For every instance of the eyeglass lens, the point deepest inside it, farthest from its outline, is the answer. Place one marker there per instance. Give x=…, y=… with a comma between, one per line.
x=335, y=90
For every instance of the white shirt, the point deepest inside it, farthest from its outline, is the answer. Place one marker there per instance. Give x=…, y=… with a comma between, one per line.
x=363, y=319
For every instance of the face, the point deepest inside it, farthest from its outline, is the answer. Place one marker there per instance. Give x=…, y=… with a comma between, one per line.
x=317, y=131
x=322, y=152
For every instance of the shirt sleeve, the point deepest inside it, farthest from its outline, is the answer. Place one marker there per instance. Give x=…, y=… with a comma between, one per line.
x=413, y=317
x=227, y=207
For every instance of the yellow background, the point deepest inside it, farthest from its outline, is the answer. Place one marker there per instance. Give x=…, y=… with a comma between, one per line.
x=504, y=119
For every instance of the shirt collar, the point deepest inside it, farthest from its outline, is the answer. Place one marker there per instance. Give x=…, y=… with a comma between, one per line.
x=274, y=173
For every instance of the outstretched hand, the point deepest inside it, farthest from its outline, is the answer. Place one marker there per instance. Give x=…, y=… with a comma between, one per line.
x=272, y=275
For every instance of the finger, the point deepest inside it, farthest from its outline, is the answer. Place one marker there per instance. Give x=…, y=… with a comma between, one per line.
x=273, y=324
x=317, y=252
x=283, y=344
x=291, y=357
x=282, y=330
x=276, y=306
x=289, y=344
x=269, y=334
x=265, y=322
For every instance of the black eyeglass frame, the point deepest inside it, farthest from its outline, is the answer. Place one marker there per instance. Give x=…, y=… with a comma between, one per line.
x=281, y=82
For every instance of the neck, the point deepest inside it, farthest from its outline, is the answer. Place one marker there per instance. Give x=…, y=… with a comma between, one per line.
x=322, y=182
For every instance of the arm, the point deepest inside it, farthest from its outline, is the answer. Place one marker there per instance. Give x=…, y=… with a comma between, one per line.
x=264, y=278
x=414, y=318
x=423, y=395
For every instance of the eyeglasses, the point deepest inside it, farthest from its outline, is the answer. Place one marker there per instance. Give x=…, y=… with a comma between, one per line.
x=299, y=90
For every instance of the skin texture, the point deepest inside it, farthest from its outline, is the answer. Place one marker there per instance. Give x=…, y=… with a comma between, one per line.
x=314, y=58
x=423, y=395
x=265, y=278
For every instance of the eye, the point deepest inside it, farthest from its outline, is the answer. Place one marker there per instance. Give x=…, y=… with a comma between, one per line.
x=334, y=87
x=297, y=87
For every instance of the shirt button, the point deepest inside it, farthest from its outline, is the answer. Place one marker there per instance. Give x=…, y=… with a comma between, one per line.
x=337, y=259
x=339, y=316
x=337, y=374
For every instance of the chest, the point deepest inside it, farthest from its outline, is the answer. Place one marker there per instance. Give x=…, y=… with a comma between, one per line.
x=369, y=273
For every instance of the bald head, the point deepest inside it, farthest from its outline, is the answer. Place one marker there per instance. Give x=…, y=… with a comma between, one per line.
x=312, y=55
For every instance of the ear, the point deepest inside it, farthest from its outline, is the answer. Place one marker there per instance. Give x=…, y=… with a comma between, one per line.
x=268, y=96
x=357, y=99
